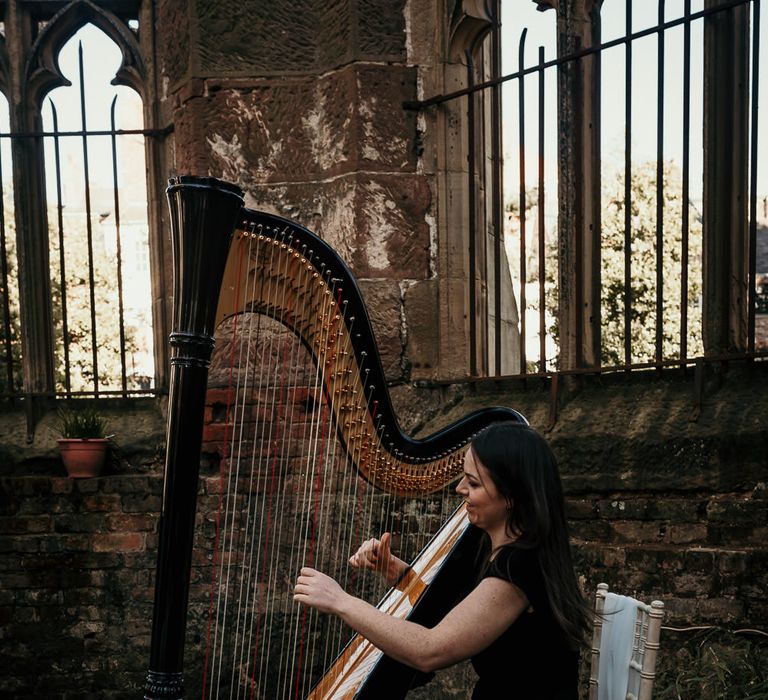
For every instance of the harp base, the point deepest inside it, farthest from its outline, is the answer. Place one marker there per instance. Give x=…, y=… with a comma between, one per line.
x=164, y=686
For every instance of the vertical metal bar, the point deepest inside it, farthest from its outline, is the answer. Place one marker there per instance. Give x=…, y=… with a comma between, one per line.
x=62, y=263
x=521, y=150
x=482, y=238
x=660, y=190
x=628, y=192
x=595, y=209
x=89, y=228
x=121, y=318
x=497, y=199
x=472, y=206
x=542, y=242
x=753, y=177
x=686, y=183
x=7, y=330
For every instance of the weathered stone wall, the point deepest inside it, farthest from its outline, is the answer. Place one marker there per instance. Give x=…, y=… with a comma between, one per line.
x=665, y=500
x=666, y=496
x=301, y=105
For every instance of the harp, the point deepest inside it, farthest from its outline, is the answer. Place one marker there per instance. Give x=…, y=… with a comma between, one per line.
x=302, y=402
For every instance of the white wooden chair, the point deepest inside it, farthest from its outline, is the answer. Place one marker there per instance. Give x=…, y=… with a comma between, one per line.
x=625, y=644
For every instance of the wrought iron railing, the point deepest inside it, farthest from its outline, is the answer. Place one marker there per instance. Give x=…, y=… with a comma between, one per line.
x=628, y=301
x=92, y=311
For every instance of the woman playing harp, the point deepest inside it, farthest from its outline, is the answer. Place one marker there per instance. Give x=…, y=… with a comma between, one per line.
x=310, y=445
x=523, y=621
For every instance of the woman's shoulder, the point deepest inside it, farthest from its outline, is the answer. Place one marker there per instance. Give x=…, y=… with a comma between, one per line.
x=515, y=555
x=518, y=565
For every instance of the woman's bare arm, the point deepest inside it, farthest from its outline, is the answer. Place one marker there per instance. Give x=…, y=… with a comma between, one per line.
x=466, y=630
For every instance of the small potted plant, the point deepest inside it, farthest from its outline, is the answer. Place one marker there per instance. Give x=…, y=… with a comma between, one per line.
x=84, y=441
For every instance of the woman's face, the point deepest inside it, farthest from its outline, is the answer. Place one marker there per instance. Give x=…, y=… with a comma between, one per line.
x=486, y=507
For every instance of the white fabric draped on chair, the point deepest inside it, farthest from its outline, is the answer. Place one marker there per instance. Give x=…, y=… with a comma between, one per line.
x=625, y=645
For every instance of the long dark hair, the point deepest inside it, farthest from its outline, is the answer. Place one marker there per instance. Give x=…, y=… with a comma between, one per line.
x=524, y=471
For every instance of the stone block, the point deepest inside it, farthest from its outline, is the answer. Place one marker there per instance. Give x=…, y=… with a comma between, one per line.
x=142, y=504
x=722, y=610
x=635, y=531
x=133, y=483
x=118, y=542
x=699, y=560
x=422, y=324
x=25, y=524
x=690, y=584
x=29, y=486
x=35, y=506
x=118, y=522
x=649, y=558
x=174, y=55
x=87, y=485
x=590, y=530
x=383, y=300
x=742, y=511
x=19, y=544
x=294, y=37
x=66, y=542
x=386, y=130
x=392, y=228
x=281, y=37
x=688, y=533
x=730, y=563
x=100, y=502
x=62, y=486
x=681, y=611
x=727, y=535
x=79, y=522
x=306, y=130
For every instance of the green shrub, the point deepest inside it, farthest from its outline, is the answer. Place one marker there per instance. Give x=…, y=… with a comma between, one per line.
x=82, y=423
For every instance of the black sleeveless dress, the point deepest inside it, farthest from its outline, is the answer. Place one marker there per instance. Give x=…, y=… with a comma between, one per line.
x=531, y=659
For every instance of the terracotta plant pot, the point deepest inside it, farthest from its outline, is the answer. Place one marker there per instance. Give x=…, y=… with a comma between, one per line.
x=83, y=458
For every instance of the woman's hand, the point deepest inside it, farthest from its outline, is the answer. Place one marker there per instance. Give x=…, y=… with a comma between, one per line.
x=376, y=555
x=319, y=591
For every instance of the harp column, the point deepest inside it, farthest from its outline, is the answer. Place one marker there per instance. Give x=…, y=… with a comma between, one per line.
x=204, y=214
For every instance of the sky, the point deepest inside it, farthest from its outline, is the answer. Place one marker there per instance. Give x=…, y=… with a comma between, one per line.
x=101, y=60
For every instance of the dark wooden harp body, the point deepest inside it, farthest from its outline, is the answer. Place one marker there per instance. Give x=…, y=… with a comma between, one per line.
x=300, y=282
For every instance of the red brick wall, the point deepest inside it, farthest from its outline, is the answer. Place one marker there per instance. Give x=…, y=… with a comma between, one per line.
x=76, y=572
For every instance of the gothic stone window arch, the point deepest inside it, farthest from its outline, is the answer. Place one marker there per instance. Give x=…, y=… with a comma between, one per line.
x=35, y=34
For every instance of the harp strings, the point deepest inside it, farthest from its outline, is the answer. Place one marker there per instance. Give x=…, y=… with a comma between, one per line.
x=293, y=496
x=211, y=646
x=284, y=673
x=270, y=532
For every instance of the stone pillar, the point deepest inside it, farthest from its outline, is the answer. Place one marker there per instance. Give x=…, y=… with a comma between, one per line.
x=726, y=158
x=31, y=217
x=464, y=220
x=157, y=156
x=301, y=104
x=462, y=185
x=578, y=221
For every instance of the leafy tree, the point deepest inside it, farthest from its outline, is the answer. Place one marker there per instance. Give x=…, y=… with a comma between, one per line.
x=10, y=328
x=643, y=267
x=78, y=310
